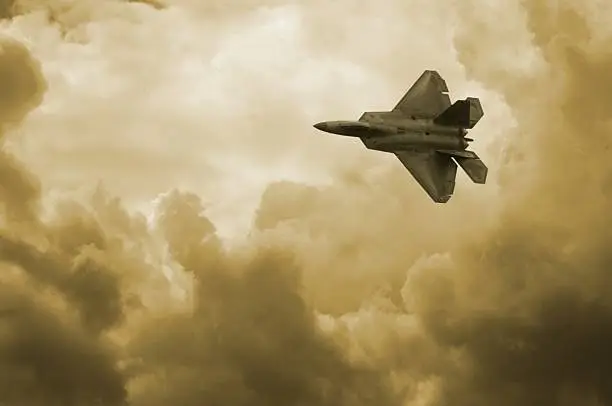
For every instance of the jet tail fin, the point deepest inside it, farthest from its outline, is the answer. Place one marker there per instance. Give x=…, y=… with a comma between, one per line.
x=471, y=164
x=463, y=113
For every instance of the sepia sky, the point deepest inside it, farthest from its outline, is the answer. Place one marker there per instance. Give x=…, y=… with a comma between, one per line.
x=175, y=232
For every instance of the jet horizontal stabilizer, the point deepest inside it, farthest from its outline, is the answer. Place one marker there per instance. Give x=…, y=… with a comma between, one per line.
x=463, y=113
x=471, y=164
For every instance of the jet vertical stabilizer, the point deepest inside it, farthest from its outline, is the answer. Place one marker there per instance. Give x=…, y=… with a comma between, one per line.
x=463, y=113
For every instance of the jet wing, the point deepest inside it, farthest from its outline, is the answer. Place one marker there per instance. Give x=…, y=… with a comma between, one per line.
x=434, y=171
x=427, y=98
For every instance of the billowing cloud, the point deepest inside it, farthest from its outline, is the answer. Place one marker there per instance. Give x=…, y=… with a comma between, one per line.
x=344, y=284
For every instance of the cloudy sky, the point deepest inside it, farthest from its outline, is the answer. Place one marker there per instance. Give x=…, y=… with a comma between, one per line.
x=174, y=231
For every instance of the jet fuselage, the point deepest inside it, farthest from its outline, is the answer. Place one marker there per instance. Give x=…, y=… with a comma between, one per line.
x=402, y=134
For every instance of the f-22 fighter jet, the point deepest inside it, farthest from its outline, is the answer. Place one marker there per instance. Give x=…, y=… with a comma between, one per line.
x=425, y=132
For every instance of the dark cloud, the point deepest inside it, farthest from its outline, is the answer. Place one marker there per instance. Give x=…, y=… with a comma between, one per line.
x=528, y=305
x=251, y=340
x=46, y=358
x=350, y=294
x=47, y=361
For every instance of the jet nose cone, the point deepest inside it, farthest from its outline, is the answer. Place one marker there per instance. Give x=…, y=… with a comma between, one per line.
x=320, y=126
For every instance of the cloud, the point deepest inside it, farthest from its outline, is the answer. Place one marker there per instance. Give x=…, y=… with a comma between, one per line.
x=349, y=286
x=526, y=303
x=198, y=89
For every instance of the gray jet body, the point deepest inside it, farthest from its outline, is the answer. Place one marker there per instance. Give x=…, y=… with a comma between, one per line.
x=425, y=132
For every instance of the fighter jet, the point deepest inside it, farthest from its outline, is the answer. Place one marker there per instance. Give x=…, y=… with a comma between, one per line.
x=425, y=132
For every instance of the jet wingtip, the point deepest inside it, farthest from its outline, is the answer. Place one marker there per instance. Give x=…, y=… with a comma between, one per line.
x=442, y=199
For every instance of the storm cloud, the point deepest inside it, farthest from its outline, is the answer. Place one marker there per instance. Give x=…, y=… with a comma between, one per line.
x=175, y=232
